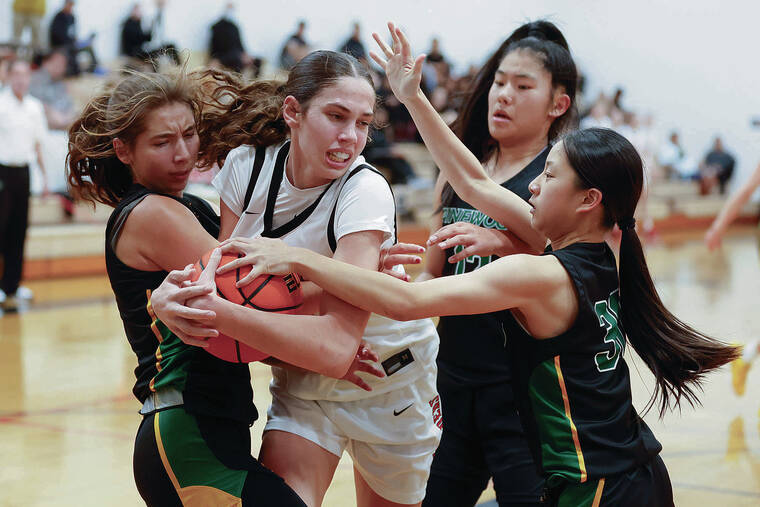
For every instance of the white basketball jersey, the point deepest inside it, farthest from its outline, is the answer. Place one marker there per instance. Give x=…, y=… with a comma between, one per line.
x=360, y=200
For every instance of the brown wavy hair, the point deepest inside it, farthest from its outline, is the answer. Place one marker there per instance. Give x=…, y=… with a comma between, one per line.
x=238, y=113
x=94, y=172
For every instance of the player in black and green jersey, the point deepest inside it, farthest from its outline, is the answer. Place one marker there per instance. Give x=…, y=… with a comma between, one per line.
x=571, y=310
x=519, y=102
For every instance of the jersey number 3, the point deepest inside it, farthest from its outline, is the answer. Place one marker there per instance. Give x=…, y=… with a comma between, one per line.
x=607, y=312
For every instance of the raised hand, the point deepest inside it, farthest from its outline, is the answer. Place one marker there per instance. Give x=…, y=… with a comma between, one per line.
x=264, y=255
x=403, y=70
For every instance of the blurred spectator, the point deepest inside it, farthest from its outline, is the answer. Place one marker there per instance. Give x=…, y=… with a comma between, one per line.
x=48, y=87
x=294, y=48
x=63, y=36
x=716, y=169
x=354, y=46
x=226, y=46
x=28, y=14
x=436, y=59
x=135, y=41
x=674, y=161
x=379, y=151
x=22, y=128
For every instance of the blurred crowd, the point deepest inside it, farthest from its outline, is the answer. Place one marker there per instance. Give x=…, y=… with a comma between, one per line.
x=58, y=54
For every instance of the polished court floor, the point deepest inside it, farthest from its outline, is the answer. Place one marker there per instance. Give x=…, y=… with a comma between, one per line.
x=67, y=417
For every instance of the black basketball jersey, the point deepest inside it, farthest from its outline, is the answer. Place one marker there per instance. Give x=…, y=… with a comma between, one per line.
x=209, y=385
x=573, y=391
x=479, y=359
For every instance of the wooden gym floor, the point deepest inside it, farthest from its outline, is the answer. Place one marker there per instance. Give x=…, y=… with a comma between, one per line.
x=68, y=419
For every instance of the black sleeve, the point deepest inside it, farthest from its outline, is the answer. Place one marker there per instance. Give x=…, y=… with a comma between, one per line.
x=59, y=31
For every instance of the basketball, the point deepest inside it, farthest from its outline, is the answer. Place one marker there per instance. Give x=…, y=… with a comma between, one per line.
x=268, y=293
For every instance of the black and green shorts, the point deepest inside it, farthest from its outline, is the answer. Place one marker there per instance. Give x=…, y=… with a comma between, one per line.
x=189, y=460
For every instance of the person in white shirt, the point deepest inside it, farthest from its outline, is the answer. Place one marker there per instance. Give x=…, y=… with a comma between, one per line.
x=297, y=149
x=22, y=128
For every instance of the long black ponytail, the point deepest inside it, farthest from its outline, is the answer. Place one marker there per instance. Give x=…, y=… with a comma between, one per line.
x=678, y=355
x=546, y=41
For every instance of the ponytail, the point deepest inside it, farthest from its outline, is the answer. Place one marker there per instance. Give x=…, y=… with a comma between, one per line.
x=237, y=113
x=678, y=355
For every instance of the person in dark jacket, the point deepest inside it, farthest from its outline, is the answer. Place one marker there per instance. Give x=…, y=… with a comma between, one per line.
x=226, y=46
x=63, y=36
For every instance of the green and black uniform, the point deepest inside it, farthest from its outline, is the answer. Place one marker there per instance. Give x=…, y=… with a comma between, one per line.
x=193, y=445
x=482, y=436
x=573, y=393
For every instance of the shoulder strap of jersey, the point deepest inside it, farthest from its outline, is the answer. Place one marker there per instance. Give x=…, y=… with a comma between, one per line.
x=257, y=164
x=331, y=224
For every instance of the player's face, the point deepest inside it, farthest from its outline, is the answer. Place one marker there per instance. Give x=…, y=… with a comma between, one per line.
x=555, y=195
x=165, y=152
x=333, y=129
x=520, y=98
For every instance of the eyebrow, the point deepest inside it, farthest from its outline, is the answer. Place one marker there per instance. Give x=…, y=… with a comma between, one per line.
x=169, y=133
x=521, y=75
x=347, y=110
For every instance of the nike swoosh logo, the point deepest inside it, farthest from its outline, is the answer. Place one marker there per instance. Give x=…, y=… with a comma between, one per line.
x=253, y=212
x=399, y=412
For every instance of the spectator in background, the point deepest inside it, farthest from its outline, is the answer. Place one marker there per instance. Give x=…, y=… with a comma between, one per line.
x=48, y=87
x=22, y=128
x=63, y=36
x=675, y=163
x=28, y=14
x=135, y=41
x=294, y=48
x=354, y=46
x=716, y=169
x=226, y=46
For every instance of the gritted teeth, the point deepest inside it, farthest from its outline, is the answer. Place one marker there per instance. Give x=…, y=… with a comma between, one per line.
x=338, y=156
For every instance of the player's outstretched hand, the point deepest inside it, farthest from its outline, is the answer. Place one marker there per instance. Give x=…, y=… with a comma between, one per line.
x=264, y=255
x=399, y=254
x=404, y=71
x=475, y=240
x=169, y=302
x=363, y=354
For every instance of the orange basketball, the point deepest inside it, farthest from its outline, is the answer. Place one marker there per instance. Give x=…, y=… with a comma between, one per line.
x=269, y=293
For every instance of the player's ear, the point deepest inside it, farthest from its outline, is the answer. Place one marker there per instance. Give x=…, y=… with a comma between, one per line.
x=291, y=111
x=123, y=152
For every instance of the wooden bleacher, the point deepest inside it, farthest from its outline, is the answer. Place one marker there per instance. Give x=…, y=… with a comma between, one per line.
x=58, y=247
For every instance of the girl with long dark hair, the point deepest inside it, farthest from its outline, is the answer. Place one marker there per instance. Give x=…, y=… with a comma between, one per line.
x=519, y=102
x=568, y=314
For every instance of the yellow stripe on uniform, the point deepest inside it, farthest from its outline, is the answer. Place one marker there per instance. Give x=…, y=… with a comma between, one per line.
x=149, y=306
x=193, y=496
x=162, y=453
x=598, y=496
x=573, y=429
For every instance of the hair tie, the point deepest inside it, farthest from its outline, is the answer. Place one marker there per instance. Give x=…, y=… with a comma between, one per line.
x=627, y=224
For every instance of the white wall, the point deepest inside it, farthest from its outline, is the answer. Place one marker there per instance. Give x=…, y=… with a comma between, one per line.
x=691, y=63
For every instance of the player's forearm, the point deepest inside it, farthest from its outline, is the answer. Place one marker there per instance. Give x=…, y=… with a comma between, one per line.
x=363, y=288
x=731, y=209
x=322, y=344
x=466, y=175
